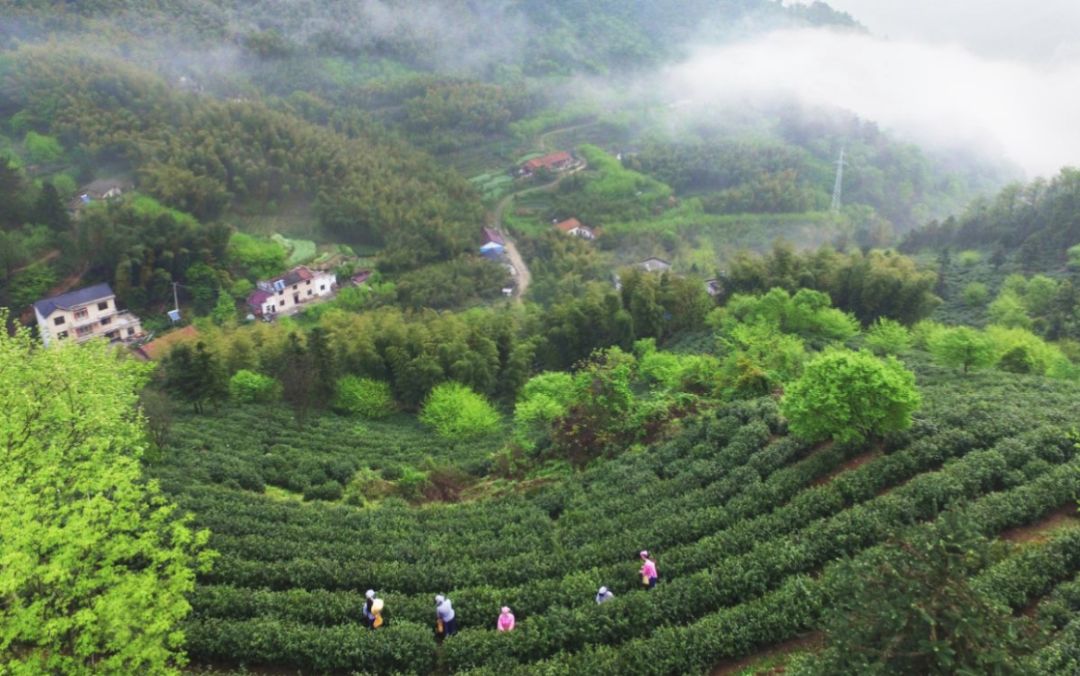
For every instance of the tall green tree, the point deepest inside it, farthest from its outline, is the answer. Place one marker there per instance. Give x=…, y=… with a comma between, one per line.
x=850, y=396
x=96, y=562
x=909, y=608
x=297, y=376
x=49, y=209
x=456, y=412
x=962, y=346
x=194, y=376
x=224, y=312
x=12, y=191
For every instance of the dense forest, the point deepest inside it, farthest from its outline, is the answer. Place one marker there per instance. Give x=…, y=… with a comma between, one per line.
x=607, y=383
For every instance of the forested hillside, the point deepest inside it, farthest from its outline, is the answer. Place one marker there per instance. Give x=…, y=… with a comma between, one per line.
x=1037, y=220
x=544, y=39
x=199, y=155
x=600, y=378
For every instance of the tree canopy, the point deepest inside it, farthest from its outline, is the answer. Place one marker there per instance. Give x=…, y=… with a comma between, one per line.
x=96, y=562
x=850, y=396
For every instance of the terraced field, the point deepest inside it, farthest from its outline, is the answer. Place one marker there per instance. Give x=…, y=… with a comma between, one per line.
x=746, y=524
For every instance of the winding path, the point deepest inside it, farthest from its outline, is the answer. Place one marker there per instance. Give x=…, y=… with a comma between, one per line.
x=524, y=277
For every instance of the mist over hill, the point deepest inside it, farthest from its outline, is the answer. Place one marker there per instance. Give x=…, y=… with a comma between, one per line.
x=659, y=337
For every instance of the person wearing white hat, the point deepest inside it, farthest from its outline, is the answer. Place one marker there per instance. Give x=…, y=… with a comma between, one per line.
x=369, y=615
x=604, y=595
x=648, y=570
x=445, y=617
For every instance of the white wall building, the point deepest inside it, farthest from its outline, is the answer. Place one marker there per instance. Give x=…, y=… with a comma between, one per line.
x=83, y=314
x=287, y=292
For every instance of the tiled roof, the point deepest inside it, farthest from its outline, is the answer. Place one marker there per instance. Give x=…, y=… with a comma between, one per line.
x=492, y=235
x=569, y=224
x=257, y=298
x=294, y=276
x=73, y=299
x=654, y=264
x=102, y=186
x=548, y=160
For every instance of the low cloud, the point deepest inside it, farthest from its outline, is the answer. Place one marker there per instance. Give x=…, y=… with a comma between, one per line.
x=938, y=95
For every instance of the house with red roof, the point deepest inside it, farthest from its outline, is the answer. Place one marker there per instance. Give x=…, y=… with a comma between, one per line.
x=285, y=293
x=493, y=246
x=554, y=162
x=574, y=228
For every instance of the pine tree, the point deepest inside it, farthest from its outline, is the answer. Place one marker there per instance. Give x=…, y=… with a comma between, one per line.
x=49, y=210
x=11, y=193
x=297, y=378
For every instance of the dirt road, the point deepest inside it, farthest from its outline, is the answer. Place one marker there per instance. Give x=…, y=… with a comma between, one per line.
x=524, y=277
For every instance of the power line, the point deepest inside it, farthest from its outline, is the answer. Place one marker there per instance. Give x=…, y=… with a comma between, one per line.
x=839, y=185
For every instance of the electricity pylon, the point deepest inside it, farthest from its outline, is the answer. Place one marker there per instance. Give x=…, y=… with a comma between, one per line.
x=839, y=185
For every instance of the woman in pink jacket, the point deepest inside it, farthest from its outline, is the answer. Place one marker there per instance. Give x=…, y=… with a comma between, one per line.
x=648, y=570
x=506, y=619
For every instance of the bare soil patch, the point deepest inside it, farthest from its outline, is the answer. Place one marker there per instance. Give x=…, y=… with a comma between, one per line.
x=1042, y=530
x=855, y=463
x=770, y=660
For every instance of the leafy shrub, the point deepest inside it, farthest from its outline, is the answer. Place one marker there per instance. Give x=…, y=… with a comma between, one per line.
x=969, y=258
x=364, y=397
x=1074, y=257
x=456, y=412
x=1021, y=351
x=890, y=599
x=848, y=396
x=923, y=332
x=808, y=314
x=888, y=336
x=759, y=358
x=412, y=484
x=250, y=387
x=975, y=294
x=328, y=490
x=1008, y=310
x=392, y=472
x=1018, y=360
x=696, y=373
x=257, y=258
x=366, y=486
x=961, y=346
x=41, y=149
x=544, y=398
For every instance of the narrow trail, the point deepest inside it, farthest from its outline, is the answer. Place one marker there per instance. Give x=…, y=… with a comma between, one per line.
x=45, y=258
x=524, y=277
x=542, y=139
x=762, y=657
x=67, y=283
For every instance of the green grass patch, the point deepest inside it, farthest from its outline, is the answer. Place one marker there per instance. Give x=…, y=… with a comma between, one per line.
x=282, y=494
x=299, y=250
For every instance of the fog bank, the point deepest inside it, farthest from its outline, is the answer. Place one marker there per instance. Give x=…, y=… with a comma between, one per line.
x=940, y=95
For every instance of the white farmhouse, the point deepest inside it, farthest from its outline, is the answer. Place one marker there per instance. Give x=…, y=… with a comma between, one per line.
x=83, y=314
x=284, y=294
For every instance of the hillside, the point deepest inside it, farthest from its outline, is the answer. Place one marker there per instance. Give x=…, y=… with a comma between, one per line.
x=743, y=519
x=327, y=123
x=626, y=366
